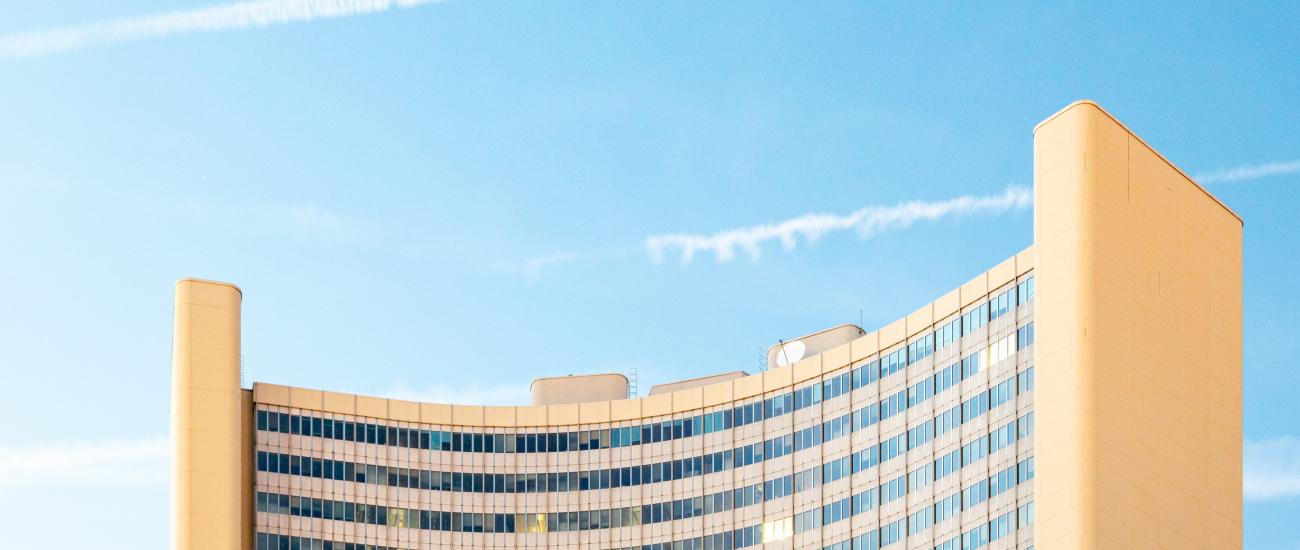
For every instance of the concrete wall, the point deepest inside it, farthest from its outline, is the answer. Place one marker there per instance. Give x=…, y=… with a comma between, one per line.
x=210, y=421
x=1139, y=345
x=698, y=382
x=583, y=388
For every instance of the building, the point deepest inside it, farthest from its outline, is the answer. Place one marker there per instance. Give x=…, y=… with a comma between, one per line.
x=937, y=431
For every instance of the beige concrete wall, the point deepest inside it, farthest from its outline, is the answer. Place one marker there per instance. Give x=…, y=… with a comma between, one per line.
x=669, y=387
x=803, y=347
x=210, y=421
x=583, y=388
x=1138, y=348
x=247, y=470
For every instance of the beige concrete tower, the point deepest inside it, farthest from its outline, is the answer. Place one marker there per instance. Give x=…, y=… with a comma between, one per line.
x=1139, y=324
x=208, y=419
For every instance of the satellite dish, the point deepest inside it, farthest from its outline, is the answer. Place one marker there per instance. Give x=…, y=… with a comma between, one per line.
x=790, y=353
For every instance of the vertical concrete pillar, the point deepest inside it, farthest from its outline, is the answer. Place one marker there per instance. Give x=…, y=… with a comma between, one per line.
x=207, y=414
x=1138, y=351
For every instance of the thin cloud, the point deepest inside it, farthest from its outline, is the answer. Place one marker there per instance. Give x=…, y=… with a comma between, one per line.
x=308, y=216
x=1271, y=469
x=469, y=393
x=811, y=227
x=531, y=268
x=237, y=16
x=304, y=219
x=81, y=464
x=1250, y=172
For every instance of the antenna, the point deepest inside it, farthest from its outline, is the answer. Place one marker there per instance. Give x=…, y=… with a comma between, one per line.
x=783, y=355
x=631, y=383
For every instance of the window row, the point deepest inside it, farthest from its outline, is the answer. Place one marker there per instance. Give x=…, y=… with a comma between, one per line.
x=675, y=469
x=632, y=516
x=943, y=509
x=995, y=529
x=739, y=538
x=267, y=541
x=684, y=468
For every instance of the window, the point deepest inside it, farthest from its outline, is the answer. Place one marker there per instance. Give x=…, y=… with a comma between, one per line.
x=920, y=392
x=974, y=319
x=893, y=362
x=1025, y=336
x=1002, y=304
x=866, y=416
x=972, y=364
x=1025, y=470
x=1025, y=291
x=920, y=435
x=974, y=450
x=920, y=349
x=947, y=507
x=866, y=374
x=893, y=405
x=893, y=490
x=947, y=334
x=1025, y=425
x=1002, y=437
x=1002, y=481
x=920, y=477
x=920, y=520
x=974, y=406
x=947, y=464
x=947, y=377
x=975, y=494
x=1003, y=392
x=892, y=447
x=1025, y=380
x=947, y=421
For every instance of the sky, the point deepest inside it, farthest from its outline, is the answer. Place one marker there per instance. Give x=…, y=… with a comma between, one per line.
x=444, y=200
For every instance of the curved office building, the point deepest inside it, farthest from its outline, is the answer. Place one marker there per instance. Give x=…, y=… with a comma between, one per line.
x=1085, y=393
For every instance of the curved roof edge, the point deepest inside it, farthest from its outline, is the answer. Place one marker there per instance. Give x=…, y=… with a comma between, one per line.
x=721, y=393
x=1161, y=156
x=571, y=376
x=210, y=282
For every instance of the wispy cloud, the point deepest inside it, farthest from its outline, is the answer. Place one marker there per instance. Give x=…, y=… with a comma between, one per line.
x=466, y=393
x=236, y=16
x=309, y=216
x=1271, y=469
x=304, y=218
x=531, y=268
x=83, y=464
x=810, y=227
x=1250, y=172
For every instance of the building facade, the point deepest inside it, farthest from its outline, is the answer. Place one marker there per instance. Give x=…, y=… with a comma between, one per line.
x=1085, y=393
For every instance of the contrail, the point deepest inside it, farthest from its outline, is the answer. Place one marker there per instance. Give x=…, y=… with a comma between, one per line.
x=531, y=268
x=241, y=15
x=1250, y=172
x=867, y=221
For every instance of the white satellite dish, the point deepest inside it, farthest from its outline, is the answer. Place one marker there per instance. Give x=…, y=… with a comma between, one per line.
x=789, y=354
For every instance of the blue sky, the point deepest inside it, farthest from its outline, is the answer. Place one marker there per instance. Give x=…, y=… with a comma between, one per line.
x=451, y=199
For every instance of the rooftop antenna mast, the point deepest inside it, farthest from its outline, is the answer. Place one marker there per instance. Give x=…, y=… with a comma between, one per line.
x=783, y=355
x=631, y=383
